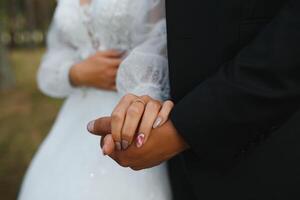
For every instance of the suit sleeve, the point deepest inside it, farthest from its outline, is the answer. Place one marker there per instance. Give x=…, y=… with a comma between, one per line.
x=249, y=96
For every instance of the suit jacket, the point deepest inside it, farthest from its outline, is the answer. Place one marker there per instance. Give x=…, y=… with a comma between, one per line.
x=235, y=79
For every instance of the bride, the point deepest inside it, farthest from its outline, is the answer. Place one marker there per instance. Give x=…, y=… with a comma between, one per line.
x=94, y=48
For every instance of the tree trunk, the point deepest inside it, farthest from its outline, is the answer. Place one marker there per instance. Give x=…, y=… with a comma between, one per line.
x=11, y=13
x=6, y=78
x=30, y=14
x=44, y=11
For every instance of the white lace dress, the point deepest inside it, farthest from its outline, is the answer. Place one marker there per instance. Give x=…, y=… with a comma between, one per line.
x=69, y=164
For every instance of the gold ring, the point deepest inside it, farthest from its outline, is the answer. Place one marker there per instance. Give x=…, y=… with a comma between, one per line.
x=139, y=101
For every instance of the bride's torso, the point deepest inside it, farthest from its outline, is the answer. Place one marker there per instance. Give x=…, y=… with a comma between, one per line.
x=135, y=26
x=104, y=24
x=99, y=25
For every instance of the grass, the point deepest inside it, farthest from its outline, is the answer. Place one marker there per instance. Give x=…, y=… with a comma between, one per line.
x=26, y=116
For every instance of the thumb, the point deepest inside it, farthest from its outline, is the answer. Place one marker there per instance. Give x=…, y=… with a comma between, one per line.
x=100, y=126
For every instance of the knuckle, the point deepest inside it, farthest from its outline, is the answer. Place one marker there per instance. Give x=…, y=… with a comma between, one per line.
x=146, y=97
x=127, y=97
x=153, y=105
x=117, y=116
x=133, y=111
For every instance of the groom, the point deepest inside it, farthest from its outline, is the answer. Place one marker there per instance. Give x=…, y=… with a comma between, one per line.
x=235, y=79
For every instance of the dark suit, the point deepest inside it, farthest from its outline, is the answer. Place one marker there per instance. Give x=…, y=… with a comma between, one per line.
x=235, y=78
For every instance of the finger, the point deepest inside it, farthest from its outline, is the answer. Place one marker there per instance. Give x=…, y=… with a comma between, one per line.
x=163, y=114
x=150, y=114
x=118, y=158
x=101, y=126
x=108, y=145
x=113, y=62
x=133, y=117
x=111, y=53
x=118, y=118
x=145, y=98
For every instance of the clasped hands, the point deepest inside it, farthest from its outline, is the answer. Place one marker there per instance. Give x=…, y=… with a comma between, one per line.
x=139, y=134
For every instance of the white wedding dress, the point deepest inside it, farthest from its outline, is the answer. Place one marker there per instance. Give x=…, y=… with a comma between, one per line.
x=69, y=164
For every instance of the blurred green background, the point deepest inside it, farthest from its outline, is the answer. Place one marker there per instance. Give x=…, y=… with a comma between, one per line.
x=26, y=115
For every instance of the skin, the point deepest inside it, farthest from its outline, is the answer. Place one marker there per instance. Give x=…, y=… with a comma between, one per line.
x=135, y=117
x=84, y=2
x=129, y=117
x=164, y=143
x=98, y=71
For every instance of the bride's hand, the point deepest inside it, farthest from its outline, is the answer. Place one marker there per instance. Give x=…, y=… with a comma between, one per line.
x=97, y=71
x=135, y=117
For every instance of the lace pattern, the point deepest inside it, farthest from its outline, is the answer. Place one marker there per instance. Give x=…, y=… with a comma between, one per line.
x=129, y=25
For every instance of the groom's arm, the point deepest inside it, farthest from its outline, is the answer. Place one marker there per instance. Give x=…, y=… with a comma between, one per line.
x=249, y=96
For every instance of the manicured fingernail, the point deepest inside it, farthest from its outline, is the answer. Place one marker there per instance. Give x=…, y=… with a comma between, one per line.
x=118, y=146
x=90, y=126
x=125, y=144
x=157, y=122
x=140, y=140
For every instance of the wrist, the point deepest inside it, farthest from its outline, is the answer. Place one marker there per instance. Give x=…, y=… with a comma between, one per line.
x=184, y=144
x=74, y=77
x=176, y=139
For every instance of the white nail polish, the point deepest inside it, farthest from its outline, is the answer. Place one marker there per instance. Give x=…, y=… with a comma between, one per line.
x=157, y=122
x=91, y=126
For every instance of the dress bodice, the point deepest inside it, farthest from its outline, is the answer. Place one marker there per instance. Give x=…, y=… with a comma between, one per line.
x=135, y=26
x=101, y=25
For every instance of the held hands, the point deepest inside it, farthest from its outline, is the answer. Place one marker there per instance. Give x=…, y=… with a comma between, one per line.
x=97, y=71
x=134, y=117
x=139, y=115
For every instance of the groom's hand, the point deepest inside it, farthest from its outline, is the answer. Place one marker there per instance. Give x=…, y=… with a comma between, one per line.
x=164, y=143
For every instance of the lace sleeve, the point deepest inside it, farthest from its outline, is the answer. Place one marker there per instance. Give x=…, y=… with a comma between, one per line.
x=145, y=69
x=53, y=74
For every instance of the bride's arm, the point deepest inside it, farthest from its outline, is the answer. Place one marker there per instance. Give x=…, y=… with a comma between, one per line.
x=53, y=74
x=145, y=70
